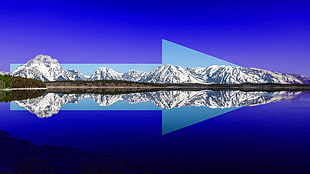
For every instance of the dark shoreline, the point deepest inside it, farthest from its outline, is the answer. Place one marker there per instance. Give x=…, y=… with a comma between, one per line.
x=20, y=94
x=120, y=85
x=246, y=87
x=191, y=87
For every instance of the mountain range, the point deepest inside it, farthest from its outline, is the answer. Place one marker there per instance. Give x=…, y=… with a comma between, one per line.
x=50, y=103
x=45, y=68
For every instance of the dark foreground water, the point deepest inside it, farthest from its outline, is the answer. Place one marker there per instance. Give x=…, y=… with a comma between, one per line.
x=180, y=132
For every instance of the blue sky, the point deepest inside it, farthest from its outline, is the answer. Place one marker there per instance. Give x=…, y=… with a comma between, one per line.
x=172, y=53
x=272, y=35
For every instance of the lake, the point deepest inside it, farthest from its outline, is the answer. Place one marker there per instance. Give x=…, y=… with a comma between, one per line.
x=173, y=131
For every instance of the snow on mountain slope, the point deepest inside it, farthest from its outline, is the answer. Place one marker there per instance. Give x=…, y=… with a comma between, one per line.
x=134, y=75
x=277, y=77
x=45, y=68
x=238, y=75
x=105, y=73
x=171, y=74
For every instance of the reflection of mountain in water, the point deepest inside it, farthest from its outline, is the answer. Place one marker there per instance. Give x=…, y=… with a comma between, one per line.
x=51, y=103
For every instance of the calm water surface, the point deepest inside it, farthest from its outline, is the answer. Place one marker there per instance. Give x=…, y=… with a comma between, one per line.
x=174, y=131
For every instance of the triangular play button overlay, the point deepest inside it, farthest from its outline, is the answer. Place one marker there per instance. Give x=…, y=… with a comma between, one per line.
x=179, y=118
x=176, y=54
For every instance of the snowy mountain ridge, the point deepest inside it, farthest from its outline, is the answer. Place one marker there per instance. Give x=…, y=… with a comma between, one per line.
x=45, y=68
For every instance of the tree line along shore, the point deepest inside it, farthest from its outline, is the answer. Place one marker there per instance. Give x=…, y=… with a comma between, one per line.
x=7, y=81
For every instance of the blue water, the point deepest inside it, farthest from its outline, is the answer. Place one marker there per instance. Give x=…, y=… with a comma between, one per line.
x=268, y=138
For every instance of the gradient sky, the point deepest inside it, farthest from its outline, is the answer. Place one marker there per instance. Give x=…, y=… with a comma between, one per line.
x=272, y=35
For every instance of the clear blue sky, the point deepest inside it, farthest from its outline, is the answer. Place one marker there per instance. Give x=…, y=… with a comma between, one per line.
x=273, y=35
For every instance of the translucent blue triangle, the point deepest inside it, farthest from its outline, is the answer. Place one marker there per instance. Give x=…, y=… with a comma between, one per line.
x=179, y=118
x=176, y=54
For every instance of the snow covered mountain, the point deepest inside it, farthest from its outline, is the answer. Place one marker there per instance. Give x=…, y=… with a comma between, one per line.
x=209, y=75
x=104, y=73
x=134, y=75
x=50, y=104
x=171, y=74
x=238, y=75
x=45, y=68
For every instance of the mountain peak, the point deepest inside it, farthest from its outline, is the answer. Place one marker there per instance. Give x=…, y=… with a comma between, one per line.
x=134, y=75
x=105, y=69
x=168, y=65
x=133, y=70
x=45, y=68
x=105, y=73
x=43, y=60
x=42, y=57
